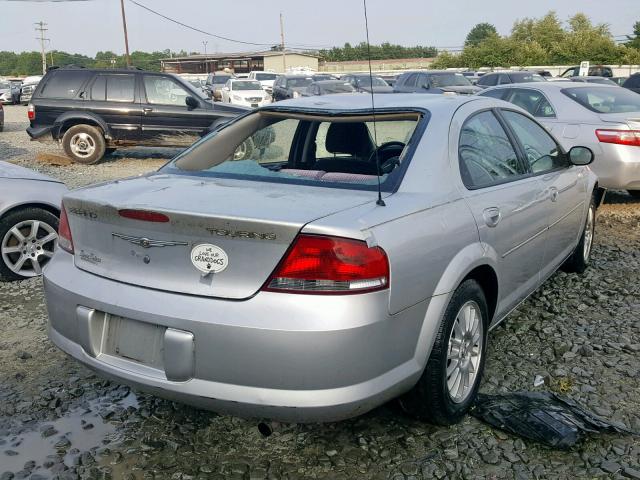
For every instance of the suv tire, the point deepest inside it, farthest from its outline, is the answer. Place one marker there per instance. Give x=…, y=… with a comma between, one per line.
x=84, y=144
x=461, y=342
x=579, y=259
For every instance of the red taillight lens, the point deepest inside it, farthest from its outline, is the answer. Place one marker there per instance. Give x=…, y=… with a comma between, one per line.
x=619, y=137
x=31, y=112
x=330, y=265
x=65, y=241
x=144, y=215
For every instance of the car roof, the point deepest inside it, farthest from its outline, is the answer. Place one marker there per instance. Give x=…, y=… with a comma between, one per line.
x=551, y=85
x=359, y=103
x=332, y=81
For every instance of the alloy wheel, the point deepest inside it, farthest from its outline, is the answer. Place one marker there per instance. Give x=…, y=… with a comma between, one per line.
x=464, y=352
x=27, y=246
x=82, y=145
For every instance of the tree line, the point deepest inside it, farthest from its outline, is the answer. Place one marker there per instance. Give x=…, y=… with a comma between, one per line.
x=544, y=41
x=384, y=51
x=30, y=63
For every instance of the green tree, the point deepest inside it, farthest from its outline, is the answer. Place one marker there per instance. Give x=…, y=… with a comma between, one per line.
x=634, y=40
x=480, y=32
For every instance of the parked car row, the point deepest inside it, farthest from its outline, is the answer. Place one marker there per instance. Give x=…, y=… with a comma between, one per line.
x=17, y=91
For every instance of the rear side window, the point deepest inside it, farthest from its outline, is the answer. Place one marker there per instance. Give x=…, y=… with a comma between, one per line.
x=486, y=154
x=605, y=99
x=64, y=83
x=488, y=80
x=541, y=151
x=410, y=80
x=504, y=79
x=533, y=101
x=497, y=93
x=114, y=88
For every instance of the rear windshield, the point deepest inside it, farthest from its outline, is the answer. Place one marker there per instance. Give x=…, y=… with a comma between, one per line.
x=246, y=85
x=449, y=80
x=367, y=81
x=265, y=76
x=64, y=84
x=332, y=151
x=220, y=79
x=299, y=82
x=605, y=99
x=338, y=87
x=527, y=77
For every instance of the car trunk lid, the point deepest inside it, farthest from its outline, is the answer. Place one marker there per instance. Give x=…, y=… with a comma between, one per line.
x=252, y=223
x=631, y=119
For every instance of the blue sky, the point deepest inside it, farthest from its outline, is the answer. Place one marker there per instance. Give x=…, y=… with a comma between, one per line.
x=93, y=25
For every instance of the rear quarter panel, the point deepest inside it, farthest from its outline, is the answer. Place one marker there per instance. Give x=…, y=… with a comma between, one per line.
x=18, y=192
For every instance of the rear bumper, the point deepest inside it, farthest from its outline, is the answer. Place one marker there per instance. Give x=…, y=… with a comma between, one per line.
x=299, y=358
x=618, y=167
x=38, y=132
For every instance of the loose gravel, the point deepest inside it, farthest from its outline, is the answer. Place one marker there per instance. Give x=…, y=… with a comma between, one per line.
x=579, y=334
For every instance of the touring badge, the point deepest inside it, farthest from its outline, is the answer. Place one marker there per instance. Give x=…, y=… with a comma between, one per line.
x=209, y=258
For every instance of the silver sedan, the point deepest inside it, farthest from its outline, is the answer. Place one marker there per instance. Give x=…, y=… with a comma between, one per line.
x=285, y=286
x=605, y=118
x=29, y=211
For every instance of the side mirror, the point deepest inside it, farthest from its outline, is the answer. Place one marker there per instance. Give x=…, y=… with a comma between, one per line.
x=580, y=155
x=191, y=102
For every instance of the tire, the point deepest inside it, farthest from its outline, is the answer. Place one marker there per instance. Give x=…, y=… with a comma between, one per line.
x=431, y=399
x=84, y=144
x=634, y=193
x=581, y=256
x=41, y=249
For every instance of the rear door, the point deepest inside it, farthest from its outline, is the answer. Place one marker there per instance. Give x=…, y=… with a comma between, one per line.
x=506, y=201
x=564, y=187
x=166, y=119
x=113, y=97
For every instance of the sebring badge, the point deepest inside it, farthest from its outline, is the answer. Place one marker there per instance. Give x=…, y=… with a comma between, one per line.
x=147, y=242
x=209, y=258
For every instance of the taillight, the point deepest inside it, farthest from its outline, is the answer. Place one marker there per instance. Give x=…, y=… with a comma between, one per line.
x=144, y=215
x=31, y=112
x=619, y=137
x=65, y=241
x=330, y=265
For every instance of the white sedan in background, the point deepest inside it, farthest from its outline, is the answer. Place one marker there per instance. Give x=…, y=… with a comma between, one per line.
x=248, y=93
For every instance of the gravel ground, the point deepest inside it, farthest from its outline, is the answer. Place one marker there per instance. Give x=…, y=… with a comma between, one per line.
x=580, y=333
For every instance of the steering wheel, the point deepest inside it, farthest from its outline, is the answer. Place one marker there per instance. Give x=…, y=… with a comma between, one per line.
x=388, y=154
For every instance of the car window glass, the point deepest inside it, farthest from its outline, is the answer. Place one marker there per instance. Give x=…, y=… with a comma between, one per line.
x=486, y=154
x=164, y=91
x=411, y=80
x=488, y=80
x=532, y=101
x=540, y=149
x=502, y=79
x=497, y=93
x=64, y=84
x=605, y=99
x=120, y=88
x=99, y=88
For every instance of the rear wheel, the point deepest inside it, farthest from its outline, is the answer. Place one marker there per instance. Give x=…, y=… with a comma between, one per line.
x=450, y=381
x=84, y=144
x=581, y=256
x=634, y=193
x=28, y=239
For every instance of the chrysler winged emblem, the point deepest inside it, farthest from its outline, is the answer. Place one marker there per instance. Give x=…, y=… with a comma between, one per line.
x=147, y=242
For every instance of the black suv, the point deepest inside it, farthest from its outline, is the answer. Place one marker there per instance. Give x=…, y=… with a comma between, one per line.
x=94, y=112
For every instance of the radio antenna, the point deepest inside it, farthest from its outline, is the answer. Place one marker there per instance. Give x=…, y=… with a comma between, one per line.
x=373, y=108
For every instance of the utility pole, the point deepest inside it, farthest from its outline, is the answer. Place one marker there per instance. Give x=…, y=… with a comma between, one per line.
x=40, y=28
x=206, y=64
x=126, y=38
x=284, y=56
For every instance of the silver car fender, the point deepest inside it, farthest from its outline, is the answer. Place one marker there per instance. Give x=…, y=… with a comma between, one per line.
x=18, y=192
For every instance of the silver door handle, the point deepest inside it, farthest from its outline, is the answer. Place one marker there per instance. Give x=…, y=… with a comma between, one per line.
x=553, y=194
x=147, y=110
x=492, y=216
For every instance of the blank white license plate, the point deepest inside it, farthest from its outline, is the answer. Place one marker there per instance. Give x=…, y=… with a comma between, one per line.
x=136, y=341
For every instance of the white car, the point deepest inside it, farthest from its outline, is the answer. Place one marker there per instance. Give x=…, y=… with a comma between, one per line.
x=266, y=79
x=248, y=93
